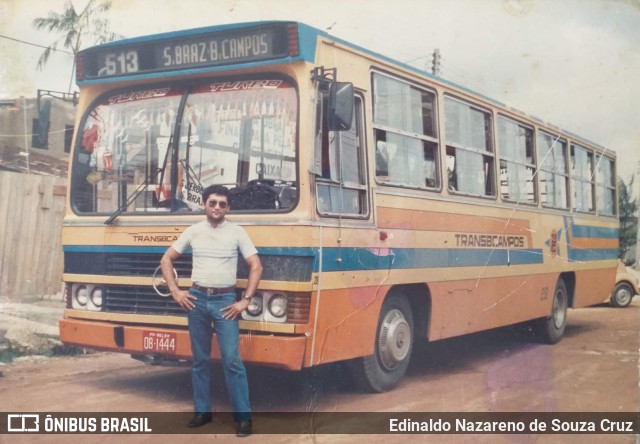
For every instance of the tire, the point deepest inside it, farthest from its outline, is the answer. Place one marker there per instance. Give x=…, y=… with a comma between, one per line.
x=622, y=295
x=392, y=348
x=551, y=329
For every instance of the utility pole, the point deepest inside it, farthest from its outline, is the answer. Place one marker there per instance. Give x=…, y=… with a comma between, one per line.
x=435, y=67
x=25, y=133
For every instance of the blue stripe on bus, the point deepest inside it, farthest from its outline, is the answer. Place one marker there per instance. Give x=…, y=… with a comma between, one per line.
x=112, y=249
x=362, y=259
x=594, y=232
x=274, y=251
x=589, y=232
x=592, y=254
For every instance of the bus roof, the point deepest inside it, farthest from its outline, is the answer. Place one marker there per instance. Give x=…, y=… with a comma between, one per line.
x=306, y=51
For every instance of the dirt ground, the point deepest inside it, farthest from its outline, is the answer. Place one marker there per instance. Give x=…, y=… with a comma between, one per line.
x=29, y=327
x=593, y=369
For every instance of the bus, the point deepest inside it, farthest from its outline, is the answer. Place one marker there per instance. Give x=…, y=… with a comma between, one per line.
x=388, y=205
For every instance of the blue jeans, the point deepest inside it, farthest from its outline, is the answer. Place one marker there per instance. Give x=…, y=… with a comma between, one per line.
x=207, y=309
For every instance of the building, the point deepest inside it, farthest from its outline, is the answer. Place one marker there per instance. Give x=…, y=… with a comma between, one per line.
x=36, y=141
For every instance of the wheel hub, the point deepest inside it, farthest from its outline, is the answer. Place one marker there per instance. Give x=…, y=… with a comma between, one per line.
x=394, y=341
x=623, y=295
x=559, y=312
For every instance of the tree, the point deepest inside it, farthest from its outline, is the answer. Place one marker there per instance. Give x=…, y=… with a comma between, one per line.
x=91, y=26
x=628, y=208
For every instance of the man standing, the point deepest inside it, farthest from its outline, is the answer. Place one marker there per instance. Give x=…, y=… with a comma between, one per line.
x=215, y=243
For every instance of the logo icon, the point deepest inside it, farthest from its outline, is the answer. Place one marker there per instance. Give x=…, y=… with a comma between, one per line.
x=23, y=422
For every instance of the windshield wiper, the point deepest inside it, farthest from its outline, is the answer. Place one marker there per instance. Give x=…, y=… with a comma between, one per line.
x=130, y=199
x=138, y=190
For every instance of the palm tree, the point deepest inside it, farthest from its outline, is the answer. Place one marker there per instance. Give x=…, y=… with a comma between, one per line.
x=91, y=26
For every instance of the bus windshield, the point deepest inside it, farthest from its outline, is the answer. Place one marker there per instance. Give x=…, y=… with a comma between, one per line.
x=155, y=150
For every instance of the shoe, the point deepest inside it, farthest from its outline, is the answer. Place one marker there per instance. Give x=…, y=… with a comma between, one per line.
x=244, y=428
x=200, y=419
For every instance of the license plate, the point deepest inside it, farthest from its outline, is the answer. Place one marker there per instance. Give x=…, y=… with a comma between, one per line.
x=158, y=341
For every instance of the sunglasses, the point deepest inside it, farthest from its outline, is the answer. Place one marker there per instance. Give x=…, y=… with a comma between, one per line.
x=214, y=203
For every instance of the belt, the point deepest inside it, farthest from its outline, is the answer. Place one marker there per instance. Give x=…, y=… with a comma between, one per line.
x=214, y=290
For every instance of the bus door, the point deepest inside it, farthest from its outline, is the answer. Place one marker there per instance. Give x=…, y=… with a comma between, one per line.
x=341, y=184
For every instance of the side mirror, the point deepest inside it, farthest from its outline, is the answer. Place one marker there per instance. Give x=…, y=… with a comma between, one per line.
x=340, y=110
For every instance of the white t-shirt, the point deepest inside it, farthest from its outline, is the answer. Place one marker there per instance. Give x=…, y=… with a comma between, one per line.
x=215, y=252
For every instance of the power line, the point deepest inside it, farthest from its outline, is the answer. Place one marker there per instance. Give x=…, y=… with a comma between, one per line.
x=34, y=44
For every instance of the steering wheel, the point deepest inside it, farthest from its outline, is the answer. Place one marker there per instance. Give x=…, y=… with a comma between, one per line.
x=266, y=185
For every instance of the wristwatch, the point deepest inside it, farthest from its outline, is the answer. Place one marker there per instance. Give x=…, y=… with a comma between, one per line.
x=246, y=296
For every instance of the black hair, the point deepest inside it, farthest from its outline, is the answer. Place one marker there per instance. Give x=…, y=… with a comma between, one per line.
x=220, y=190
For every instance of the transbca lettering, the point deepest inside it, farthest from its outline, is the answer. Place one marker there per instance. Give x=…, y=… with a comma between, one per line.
x=160, y=238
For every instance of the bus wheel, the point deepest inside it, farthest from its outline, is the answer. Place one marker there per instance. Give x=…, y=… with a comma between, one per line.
x=551, y=329
x=622, y=295
x=392, y=348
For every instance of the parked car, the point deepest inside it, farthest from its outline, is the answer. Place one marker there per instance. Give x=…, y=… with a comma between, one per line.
x=627, y=286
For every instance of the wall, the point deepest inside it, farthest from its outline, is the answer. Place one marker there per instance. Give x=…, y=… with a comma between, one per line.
x=31, y=213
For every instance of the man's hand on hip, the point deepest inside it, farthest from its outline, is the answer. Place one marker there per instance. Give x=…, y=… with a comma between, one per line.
x=183, y=298
x=234, y=310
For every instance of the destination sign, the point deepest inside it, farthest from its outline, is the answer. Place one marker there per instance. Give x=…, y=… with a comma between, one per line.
x=194, y=51
x=213, y=50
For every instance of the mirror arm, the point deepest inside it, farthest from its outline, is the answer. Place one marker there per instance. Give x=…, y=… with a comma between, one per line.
x=324, y=76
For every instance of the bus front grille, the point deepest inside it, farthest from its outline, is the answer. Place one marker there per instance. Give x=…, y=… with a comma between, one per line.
x=139, y=300
x=143, y=264
x=145, y=301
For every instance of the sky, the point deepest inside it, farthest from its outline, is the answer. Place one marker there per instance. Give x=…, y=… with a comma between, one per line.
x=572, y=63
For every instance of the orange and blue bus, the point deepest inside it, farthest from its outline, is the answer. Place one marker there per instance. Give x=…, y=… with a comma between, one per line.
x=388, y=205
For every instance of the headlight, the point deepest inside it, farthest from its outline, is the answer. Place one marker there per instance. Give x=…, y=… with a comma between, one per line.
x=267, y=306
x=82, y=295
x=96, y=297
x=255, y=306
x=86, y=297
x=278, y=305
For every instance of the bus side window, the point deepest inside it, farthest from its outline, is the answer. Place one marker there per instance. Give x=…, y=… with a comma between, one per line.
x=405, y=134
x=341, y=180
x=469, y=149
x=517, y=161
x=582, y=178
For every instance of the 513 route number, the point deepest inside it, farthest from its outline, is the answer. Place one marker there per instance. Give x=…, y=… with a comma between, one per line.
x=122, y=62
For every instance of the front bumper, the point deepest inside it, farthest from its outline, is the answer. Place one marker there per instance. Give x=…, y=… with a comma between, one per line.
x=266, y=349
